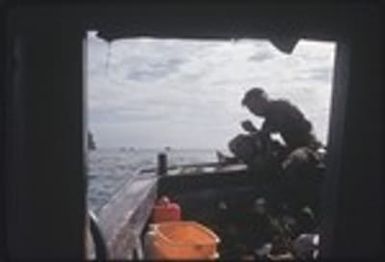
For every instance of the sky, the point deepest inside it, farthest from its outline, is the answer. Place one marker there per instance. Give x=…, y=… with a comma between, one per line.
x=152, y=93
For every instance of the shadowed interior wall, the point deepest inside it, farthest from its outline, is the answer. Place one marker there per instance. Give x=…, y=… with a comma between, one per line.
x=357, y=209
x=46, y=176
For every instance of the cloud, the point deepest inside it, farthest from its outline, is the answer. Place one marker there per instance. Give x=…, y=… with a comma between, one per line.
x=149, y=92
x=261, y=56
x=142, y=69
x=321, y=74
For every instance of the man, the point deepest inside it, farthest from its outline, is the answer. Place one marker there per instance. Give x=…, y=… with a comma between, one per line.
x=299, y=156
x=280, y=117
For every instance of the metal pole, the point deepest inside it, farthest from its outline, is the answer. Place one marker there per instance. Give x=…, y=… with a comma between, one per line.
x=162, y=164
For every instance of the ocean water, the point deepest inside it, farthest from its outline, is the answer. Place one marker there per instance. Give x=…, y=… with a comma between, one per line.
x=110, y=168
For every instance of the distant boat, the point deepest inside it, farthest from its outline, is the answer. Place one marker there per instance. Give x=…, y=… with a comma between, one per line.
x=91, y=141
x=167, y=148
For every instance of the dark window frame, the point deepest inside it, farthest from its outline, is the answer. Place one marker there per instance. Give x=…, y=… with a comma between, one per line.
x=348, y=25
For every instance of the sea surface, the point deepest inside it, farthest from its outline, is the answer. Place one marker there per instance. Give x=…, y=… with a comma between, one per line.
x=110, y=168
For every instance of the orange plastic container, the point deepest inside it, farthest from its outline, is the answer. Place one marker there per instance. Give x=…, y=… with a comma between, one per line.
x=184, y=240
x=165, y=210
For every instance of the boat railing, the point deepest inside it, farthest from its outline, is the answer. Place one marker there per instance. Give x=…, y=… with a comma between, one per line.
x=123, y=218
x=163, y=169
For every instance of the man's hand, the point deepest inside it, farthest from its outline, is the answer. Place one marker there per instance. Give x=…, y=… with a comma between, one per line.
x=248, y=126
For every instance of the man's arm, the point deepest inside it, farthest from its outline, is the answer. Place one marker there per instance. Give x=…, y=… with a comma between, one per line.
x=248, y=126
x=266, y=131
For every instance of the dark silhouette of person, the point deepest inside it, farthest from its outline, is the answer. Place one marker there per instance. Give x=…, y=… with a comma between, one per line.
x=280, y=117
x=300, y=177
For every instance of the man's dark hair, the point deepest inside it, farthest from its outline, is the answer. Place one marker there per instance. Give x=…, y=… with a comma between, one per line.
x=253, y=92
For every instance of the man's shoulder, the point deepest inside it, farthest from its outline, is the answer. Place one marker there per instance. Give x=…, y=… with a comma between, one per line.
x=282, y=102
x=283, y=108
x=283, y=105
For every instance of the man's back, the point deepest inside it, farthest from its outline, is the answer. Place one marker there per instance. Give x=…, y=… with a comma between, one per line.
x=288, y=120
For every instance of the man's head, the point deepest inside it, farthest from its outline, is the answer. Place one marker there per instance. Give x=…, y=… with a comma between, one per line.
x=256, y=100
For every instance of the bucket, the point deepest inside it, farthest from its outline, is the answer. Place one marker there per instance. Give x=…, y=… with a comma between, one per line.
x=183, y=240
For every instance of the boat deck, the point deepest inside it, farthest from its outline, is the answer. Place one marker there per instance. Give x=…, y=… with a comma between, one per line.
x=201, y=191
